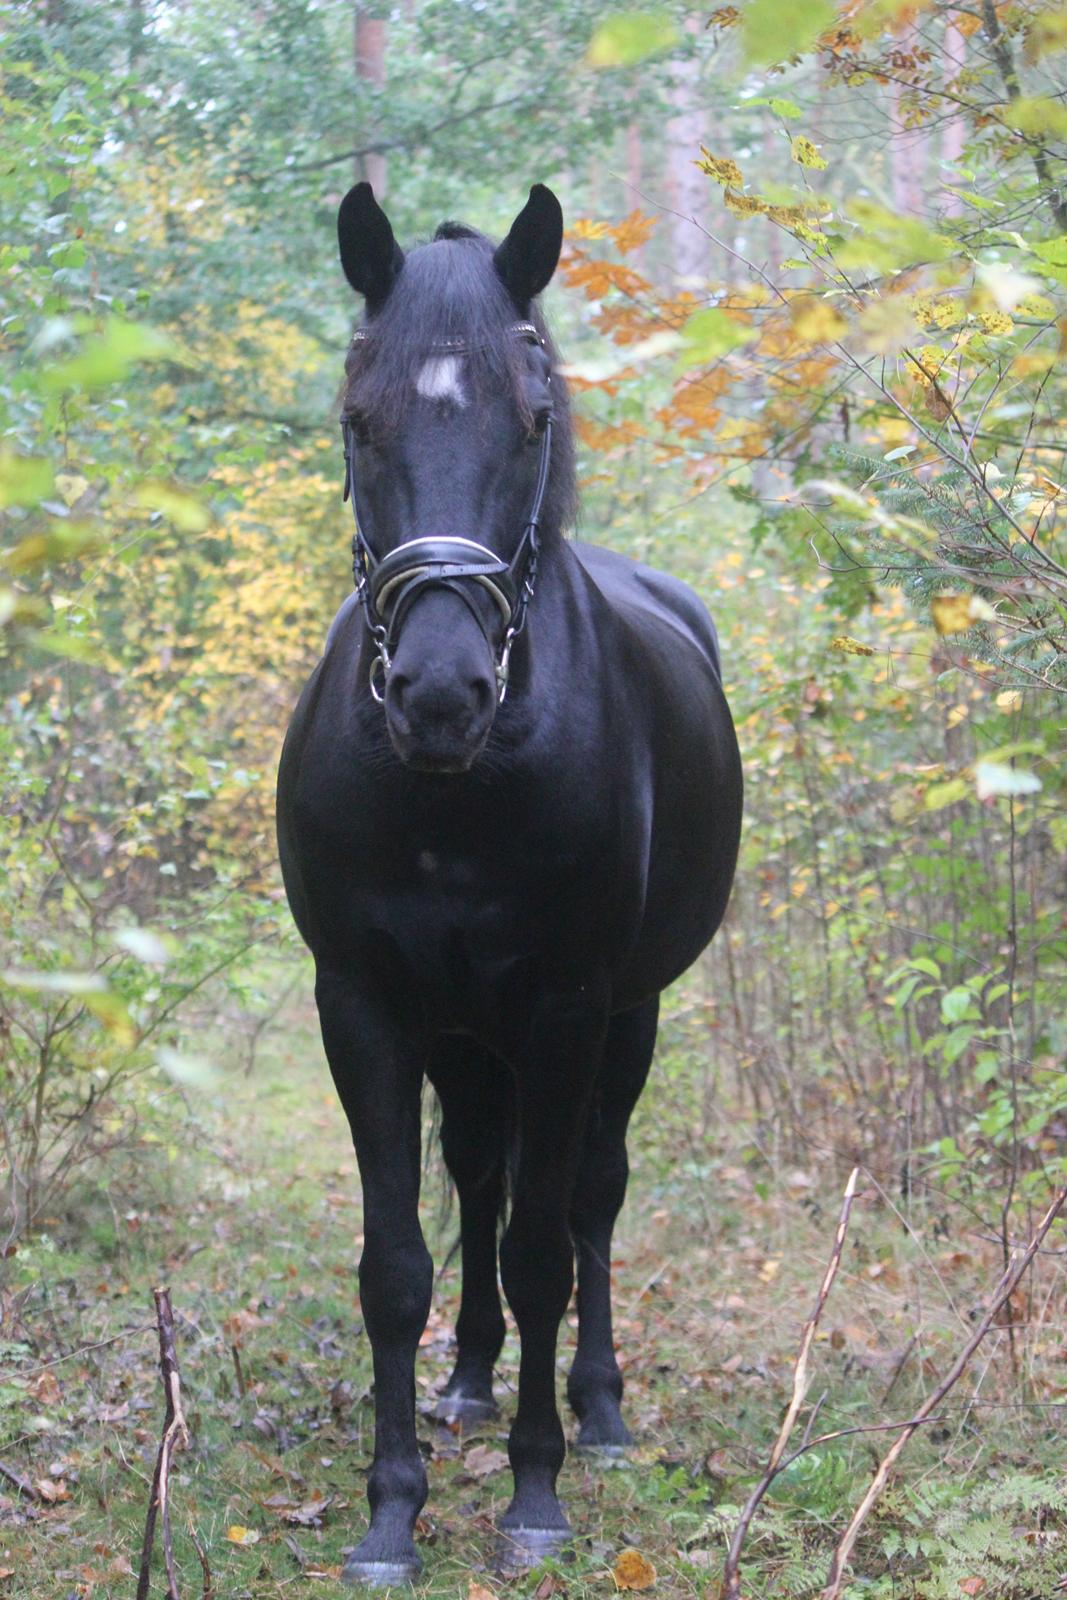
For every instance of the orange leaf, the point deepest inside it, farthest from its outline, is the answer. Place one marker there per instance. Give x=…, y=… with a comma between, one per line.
x=632, y=1570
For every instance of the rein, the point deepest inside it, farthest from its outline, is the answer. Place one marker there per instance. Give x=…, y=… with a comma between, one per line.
x=387, y=586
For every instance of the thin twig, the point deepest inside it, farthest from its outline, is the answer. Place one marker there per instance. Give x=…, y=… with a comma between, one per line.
x=242, y=1387
x=731, y=1582
x=1003, y=1292
x=175, y=1437
x=23, y=1485
x=209, y=1586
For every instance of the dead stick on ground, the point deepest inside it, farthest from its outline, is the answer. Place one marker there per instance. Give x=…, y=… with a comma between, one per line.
x=23, y=1485
x=209, y=1587
x=1003, y=1292
x=175, y=1437
x=731, y=1578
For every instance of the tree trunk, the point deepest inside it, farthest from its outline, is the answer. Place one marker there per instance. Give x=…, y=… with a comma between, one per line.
x=954, y=133
x=907, y=145
x=369, y=42
x=687, y=186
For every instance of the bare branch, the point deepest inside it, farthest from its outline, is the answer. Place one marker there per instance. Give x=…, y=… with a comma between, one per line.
x=175, y=1437
x=731, y=1580
x=1003, y=1292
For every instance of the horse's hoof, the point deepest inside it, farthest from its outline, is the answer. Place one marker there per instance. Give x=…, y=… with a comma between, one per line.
x=380, y=1574
x=520, y=1549
x=605, y=1452
x=465, y=1408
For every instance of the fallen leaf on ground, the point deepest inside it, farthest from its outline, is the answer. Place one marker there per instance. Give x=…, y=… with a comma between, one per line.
x=45, y=1388
x=310, y=1514
x=52, y=1490
x=549, y=1586
x=239, y=1535
x=478, y=1591
x=482, y=1460
x=632, y=1570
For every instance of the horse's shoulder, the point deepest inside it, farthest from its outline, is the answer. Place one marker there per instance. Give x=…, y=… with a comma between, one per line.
x=347, y=607
x=630, y=586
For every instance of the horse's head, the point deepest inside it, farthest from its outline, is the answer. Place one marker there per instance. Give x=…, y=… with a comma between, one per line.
x=448, y=402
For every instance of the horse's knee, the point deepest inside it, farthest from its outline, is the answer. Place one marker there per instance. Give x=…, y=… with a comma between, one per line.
x=537, y=1268
x=395, y=1288
x=599, y=1194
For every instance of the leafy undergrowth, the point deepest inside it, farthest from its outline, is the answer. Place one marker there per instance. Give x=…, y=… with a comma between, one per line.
x=253, y=1219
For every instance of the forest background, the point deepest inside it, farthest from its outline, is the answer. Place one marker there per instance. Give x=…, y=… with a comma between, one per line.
x=812, y=304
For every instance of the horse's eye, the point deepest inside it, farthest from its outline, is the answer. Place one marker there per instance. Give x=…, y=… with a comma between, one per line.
x=360, y=429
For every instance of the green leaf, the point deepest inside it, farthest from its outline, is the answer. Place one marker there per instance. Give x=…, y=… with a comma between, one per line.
x=183, y=510
x=1054, y=251
x=24, y=480
x=110, y=356
x=1037, y=116
x=781, y=108
x=991, y=778
x=54, y=982
x=710, y=334
x=940, y=795
x=887, y=241
x=144, y=944
x=956, y=1004
x=192, y=1072
x=627, y=38
x=773, y=30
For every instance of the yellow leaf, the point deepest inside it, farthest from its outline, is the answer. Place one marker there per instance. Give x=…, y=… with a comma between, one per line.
x=71, y=486
x=804, y=152
x=240, y=1535
x=816, y=321
x=1009, y=700
x=632, y=1570
x=955, y=613
x=721, y=168
x=744, y=205
x=478, y=1591
x=995, y=322
x=625, y=39
x=850, y=647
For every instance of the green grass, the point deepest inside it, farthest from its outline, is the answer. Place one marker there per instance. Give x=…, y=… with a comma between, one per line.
x=252, y=1217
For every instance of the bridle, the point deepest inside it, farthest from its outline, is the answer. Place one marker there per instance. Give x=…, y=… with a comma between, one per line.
x=387, y=586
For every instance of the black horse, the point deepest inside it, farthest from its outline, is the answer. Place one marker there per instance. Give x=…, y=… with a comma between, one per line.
x=508, y=813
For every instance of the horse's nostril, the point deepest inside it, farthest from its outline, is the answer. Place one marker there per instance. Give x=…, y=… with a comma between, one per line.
x=484, y=691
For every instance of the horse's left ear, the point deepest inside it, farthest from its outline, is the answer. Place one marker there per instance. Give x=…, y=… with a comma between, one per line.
x=527, y=258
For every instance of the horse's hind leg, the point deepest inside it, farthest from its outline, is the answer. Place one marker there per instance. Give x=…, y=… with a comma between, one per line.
x=377, y=1066
x=474, y=1090
x=594, y=1387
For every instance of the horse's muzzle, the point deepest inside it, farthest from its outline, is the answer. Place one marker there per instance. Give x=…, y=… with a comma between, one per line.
x=439, y=726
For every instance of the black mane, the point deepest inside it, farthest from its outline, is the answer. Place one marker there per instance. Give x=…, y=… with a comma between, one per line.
x=449, y=290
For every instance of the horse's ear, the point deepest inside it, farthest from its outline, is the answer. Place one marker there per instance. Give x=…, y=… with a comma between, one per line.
x=527, y=258
x=370, y=256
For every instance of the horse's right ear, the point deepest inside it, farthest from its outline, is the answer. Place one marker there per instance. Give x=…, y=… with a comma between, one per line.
x=370, y=256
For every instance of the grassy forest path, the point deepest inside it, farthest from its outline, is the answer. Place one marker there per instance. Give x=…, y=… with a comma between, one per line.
x=255, y=1225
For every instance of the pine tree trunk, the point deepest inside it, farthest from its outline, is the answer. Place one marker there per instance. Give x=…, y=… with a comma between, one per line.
x=369, y=43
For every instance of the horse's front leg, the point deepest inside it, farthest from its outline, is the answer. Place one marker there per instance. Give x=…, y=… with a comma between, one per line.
x=554, y=1077
x=377, y=1065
